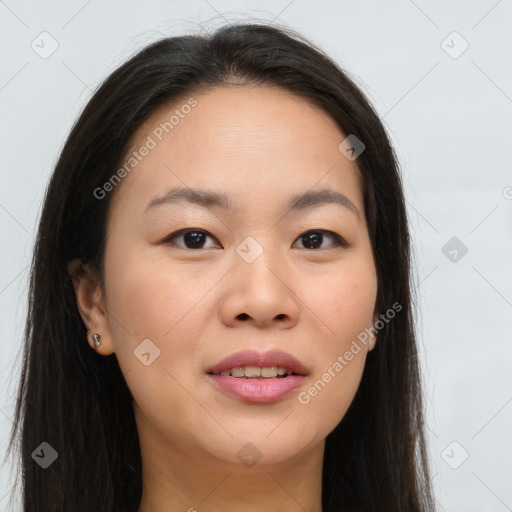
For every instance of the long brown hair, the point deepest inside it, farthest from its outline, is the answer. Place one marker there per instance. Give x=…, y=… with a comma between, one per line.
x=375, y=459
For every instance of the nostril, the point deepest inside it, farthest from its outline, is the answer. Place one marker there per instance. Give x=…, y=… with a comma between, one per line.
x=243, y=316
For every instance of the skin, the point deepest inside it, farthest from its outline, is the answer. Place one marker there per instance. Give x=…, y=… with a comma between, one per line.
x=257, y=145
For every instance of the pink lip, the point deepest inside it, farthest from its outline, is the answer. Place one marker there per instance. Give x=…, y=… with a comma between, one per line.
x=258, y=390
x=254, y=358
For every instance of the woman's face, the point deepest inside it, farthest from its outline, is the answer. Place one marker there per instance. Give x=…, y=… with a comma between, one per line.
x=252, y=273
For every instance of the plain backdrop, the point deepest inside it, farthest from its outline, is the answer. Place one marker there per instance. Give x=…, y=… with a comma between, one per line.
x=438, y=73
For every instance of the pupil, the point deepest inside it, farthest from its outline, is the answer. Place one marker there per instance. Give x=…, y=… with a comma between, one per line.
x=316, y=239
x=193, y=237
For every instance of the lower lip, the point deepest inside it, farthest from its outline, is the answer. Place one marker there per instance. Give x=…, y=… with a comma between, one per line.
x=258, y=390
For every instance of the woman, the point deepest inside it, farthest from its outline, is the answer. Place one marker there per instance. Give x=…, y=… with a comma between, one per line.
x=226, y=227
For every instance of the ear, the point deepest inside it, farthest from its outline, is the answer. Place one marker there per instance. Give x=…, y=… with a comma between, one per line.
x=90, y=303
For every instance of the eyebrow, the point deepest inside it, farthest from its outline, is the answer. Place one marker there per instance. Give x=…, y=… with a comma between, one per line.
x=210, y=199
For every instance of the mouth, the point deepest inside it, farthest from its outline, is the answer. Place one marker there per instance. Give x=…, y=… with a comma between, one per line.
x=257, y=372
x=252, y=364
x=259, y=378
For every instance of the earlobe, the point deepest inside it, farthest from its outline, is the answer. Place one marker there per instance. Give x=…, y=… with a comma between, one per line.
x=89, y=300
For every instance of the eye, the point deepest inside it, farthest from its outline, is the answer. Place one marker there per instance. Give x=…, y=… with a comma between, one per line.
x=314, y=238
x=193, y=238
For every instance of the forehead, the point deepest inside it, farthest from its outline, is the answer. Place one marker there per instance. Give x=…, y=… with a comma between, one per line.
x=248, y=142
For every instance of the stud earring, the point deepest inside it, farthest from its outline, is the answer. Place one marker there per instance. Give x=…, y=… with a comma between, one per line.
x=96, y=339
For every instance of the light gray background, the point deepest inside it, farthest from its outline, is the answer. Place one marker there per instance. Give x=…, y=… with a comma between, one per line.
x=449, y=119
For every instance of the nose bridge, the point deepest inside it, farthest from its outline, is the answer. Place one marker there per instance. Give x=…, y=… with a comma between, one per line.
x=260, y=286
x=256, y=259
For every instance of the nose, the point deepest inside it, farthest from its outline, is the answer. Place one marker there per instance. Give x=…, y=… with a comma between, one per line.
x=260, y=293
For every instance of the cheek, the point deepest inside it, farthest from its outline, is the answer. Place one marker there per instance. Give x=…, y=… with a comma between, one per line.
x=344, y=305
x=343, y=302
x=153, y=301
x=151, y=295
x=149, y=300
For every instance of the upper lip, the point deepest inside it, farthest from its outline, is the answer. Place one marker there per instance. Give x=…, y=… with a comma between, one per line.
x=255, y=358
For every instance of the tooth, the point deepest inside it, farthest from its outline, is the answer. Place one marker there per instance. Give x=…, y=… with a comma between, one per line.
x=269, y=371
x=252, y=371
x=238, y=372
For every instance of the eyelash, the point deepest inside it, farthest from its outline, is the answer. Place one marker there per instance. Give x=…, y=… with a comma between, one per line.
x=339, y=241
